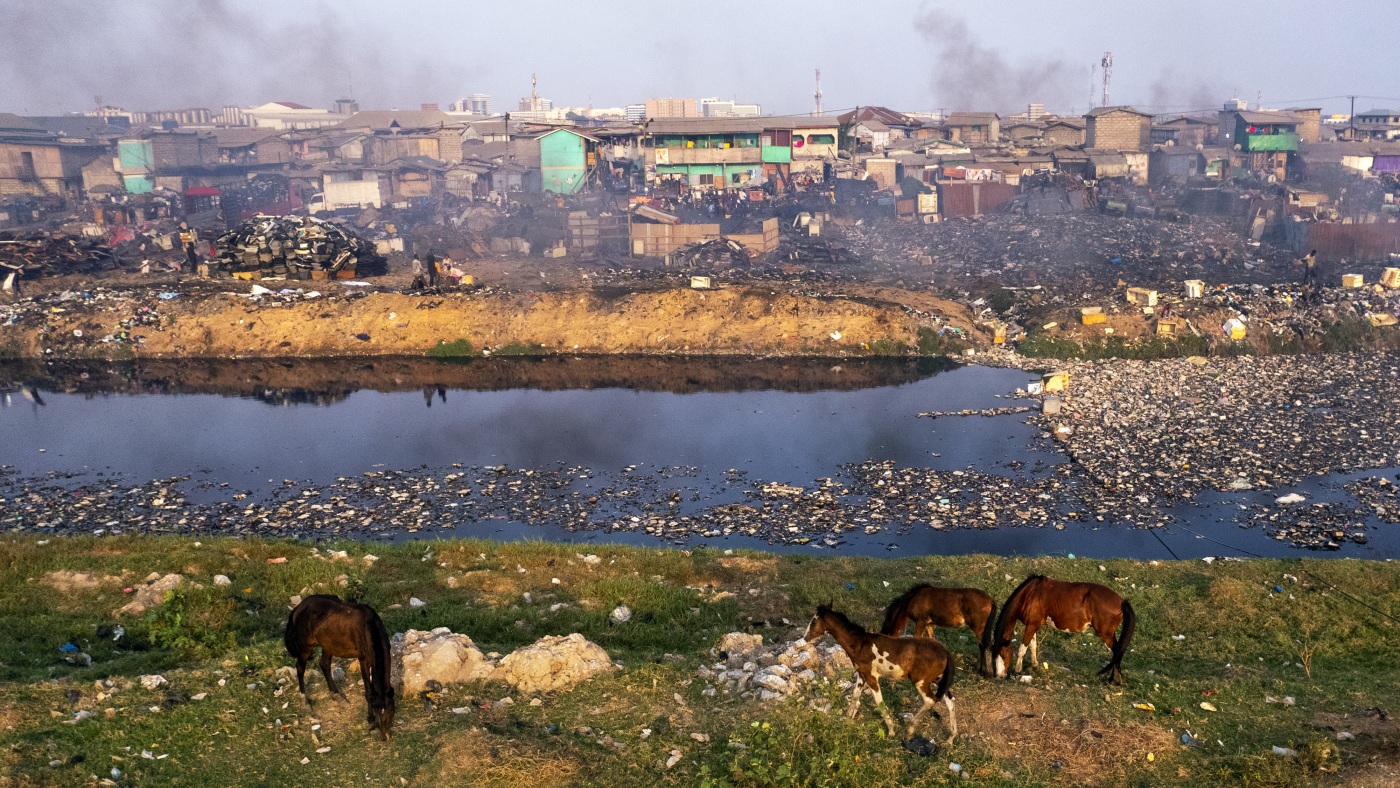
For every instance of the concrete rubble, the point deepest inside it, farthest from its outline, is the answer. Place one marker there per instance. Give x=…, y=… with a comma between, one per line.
x=746, y=668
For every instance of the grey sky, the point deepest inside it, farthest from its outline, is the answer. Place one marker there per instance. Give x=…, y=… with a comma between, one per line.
x=1188, y=54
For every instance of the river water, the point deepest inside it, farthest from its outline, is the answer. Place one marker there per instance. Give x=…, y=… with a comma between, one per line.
x=257, y=425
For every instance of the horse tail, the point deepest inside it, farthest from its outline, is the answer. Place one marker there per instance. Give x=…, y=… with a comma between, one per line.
x=1011, y=609
x=946, y=680
x=897, y=614
x=291, y=637
x=1120, y=646
x=988, y=639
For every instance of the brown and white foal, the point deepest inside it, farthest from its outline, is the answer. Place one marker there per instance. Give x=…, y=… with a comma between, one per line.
x=923, y=661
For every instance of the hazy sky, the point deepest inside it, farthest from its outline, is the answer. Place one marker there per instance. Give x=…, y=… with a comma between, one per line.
x=1188, y=54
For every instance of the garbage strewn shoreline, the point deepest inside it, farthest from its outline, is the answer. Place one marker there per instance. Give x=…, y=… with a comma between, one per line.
x=1141, y=440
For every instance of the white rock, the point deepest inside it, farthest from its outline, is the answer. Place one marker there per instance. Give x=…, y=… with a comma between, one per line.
x=151, y=595
x=674, y=759
x=553, y=663
x=222, y=580
x=414, y=601
x=440, y=655
x=621, y=614
x=1290, y=498
x=153, y=681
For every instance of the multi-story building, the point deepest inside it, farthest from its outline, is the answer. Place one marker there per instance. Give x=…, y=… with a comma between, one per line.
x=636, y=113
x=723, y=153
x=672, y=108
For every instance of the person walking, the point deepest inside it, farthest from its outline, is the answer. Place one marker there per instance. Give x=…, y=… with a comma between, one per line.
x=1310, y=268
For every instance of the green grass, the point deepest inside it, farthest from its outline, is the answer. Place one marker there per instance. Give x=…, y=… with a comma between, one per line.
x=457, y=348
x=1242, y=642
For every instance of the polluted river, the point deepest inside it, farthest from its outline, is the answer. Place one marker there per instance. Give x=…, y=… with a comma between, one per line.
x=1189, y=458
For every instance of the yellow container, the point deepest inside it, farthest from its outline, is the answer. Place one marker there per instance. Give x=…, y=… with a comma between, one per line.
x=1093, y=318
x=1391, y=278
x=1353, y=280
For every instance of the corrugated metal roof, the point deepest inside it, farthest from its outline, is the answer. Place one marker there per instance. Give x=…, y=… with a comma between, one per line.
x=970, y=118
x=1271, y=118
x=382, y=120
x=744, y=125
x=1100, y=111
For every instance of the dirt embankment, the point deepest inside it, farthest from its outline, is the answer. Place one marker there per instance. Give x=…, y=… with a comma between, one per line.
x=739, y=320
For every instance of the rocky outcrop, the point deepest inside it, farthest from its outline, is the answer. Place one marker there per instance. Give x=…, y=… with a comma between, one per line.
x=418, y=657
x=748, y=670
x=553, y=663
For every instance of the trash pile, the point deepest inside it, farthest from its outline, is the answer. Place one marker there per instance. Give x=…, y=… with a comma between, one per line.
x=718, y=254
x=1169, y=430
x=294, y=247
x=54, y=255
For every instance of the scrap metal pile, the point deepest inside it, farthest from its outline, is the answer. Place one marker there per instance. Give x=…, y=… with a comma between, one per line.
x=294, y=247
x=54, y=255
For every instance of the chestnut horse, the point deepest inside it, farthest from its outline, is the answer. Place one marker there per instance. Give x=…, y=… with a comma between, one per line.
x=1072, y=607
x=344, y=630
x=923, y=661
x=930, y=606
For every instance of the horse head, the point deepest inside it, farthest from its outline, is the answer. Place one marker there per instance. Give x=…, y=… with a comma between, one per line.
x=818, y=626
x=1001, y=657
x=381, y=715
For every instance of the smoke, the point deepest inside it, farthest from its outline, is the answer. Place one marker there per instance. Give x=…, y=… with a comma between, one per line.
x=164, y=54
x=970, y=76
x=1173, y=93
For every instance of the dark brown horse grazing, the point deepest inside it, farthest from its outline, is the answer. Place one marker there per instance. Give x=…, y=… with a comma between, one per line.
x=923, y=661
x=1072, y=607
x=344, y=630
x=930, y=606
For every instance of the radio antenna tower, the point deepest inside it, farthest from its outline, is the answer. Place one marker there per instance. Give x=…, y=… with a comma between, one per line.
x=1107, y=64
x=818, y=94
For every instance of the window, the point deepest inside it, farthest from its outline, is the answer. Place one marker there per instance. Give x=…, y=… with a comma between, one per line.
x=737, y=177
x=26, y=166
x=706, y=179
x=820, y=139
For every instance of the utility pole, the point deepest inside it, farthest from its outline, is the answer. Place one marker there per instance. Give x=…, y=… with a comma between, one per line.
x=818, y=94
x=1351, y=119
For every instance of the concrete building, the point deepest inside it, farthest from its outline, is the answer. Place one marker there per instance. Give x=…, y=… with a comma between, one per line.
x=1118, y=128
x=727, y=108
x=672, y=108
x=288, y=115
x=38, y=163
x=475, y=104
x=1064, y=131
x=1267, y=141
x=973, y=127
x=726, y=153
x=636, y=113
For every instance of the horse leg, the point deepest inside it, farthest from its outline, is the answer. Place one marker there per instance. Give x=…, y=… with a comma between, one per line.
x=922, y=687
x=1027, y=643
x=1035, y=652
x=880, y=704
x=952, y=718
x=325, y=666
x=926, y=631
x=301, y=677
x=855, y=696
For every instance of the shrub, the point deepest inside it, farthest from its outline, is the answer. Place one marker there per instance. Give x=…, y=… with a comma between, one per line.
x=457, y=348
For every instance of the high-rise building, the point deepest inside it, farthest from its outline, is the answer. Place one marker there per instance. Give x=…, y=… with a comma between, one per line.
x=346, y=106
x=636, y=113
x=672, y=108
x=479, y=104
x=1035, y=110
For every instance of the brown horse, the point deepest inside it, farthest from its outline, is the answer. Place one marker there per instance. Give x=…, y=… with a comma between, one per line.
x=1072, y=607
x=923, y=661
x=344, y=630
x=930, y=606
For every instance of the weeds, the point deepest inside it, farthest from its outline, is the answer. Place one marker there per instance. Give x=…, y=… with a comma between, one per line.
x=457, y=348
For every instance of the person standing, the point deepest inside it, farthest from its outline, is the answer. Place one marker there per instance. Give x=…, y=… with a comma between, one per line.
x=1310, y=268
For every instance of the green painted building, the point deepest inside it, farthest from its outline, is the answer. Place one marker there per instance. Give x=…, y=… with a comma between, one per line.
x=567, y=158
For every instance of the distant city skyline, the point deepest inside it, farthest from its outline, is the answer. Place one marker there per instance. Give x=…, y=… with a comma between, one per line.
x=61, y=55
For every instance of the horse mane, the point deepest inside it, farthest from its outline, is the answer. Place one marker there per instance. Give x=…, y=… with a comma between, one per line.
x=1010, y=609
x=841, y=620
x=379, y=644
x=897, y=612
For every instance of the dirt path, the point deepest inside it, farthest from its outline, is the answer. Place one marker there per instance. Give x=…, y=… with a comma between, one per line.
x=344, y=321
